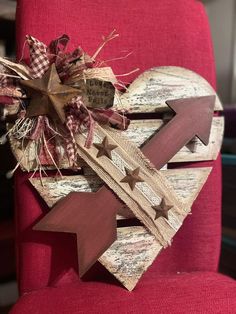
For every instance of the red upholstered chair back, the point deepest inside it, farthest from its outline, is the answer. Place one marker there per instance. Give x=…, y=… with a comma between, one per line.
x=158, y=33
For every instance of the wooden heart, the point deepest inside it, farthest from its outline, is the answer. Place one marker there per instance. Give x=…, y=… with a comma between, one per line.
x=148, y=93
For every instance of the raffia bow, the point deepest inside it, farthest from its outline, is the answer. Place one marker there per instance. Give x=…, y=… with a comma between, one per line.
x=71, y=67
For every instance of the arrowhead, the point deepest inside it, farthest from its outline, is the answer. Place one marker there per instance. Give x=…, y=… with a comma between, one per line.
x=199, y=110
x=90, y=217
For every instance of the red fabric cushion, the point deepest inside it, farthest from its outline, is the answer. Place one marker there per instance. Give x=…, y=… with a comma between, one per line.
x=166, y=32
x=157, y=32
x=184, y=293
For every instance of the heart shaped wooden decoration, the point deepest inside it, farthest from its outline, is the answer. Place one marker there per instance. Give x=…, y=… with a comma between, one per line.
x=153, y=91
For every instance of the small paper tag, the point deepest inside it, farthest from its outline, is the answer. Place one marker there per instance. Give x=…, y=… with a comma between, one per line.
x=100, y=94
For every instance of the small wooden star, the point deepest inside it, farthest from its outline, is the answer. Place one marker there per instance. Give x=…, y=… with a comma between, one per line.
x=48, y=95
x=132, y=177
x=162, y=209
x=104, y=148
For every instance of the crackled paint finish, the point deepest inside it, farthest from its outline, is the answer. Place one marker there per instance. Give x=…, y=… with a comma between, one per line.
x=150, y=91
x=185, y=182
x=128, y=257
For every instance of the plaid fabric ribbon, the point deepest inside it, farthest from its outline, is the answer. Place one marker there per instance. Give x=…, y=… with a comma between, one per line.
x=39, y=61
x=43, y=132
x=71, y=143
x=41, y=56
x=8, y=89
x=79, y=116
x=111, y=118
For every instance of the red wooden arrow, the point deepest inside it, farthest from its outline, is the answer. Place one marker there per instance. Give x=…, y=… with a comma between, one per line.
x=92, y=215
x=193, y=117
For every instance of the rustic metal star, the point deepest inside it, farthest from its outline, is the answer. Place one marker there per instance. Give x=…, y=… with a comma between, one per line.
x=48, y=95
x=132, y=177
x=104, y=148
x=162, y=209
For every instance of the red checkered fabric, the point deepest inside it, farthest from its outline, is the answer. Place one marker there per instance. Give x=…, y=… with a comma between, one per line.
x=111, y=118
x=39, y=61
x=77, y=115
x=71, y=143
x=4, y=80
x=42, y=56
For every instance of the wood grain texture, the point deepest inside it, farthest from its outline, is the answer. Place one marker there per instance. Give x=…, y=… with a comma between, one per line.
x=139, y=133
x=130, y=255
x=53, y=189
x=186, y=183
x=150, y=91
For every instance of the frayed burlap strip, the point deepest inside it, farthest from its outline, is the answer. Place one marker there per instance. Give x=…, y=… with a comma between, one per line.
x=145, y=194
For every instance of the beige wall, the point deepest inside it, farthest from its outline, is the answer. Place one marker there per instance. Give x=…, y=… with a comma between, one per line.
x=221, y=16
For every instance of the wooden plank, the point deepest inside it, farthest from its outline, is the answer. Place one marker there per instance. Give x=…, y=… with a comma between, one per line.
x=130, y=255
x=139, y=132
x=53, y=189
x=186, y=183
x=150, y=91
x=202, y=152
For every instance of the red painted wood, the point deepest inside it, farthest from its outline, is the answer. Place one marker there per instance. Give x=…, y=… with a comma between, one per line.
x=92, y=216
x=193, y=117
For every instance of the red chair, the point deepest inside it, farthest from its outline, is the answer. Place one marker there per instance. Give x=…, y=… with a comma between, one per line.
x=184, y=277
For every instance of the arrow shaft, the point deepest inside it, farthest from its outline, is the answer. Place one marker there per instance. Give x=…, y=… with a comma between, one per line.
x=169, y=140
x=159, y=150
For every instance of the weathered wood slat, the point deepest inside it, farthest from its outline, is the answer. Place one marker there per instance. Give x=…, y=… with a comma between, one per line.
x=130, y=255
x=150, y=91
x=202, y=152
x=186, y=183
x=53, y=189
x=139, y=132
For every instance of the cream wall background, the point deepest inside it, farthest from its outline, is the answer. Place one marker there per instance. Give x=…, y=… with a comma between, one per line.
x=222, y=15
